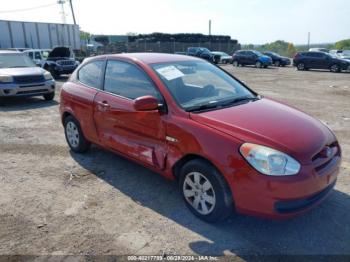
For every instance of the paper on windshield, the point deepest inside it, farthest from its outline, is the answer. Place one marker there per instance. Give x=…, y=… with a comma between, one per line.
x=170, y=72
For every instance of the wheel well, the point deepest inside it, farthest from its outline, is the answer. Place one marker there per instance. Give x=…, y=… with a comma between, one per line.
x=65, y=115
x=180, y=163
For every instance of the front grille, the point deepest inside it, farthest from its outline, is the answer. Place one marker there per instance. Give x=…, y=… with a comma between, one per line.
x=29, y=79
x=66, y=62
x=327, y=158
x=32, y=91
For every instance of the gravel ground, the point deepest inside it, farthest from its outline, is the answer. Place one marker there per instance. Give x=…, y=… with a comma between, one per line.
x=55, y=202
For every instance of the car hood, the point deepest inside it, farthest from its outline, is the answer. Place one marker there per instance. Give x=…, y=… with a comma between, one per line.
x=19, y=71
x=270, y=123
x=265, y=58
x=59, y=52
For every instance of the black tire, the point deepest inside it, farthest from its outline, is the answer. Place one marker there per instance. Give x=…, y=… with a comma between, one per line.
x=82, y=145
x=265, y=66
x=2, y=101
x=301, y=66
x=235, y=63
x=335, y=68
x=277, y=63
x=223, y=206
x=49, y=96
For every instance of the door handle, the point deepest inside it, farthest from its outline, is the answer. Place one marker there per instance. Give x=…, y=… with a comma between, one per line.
x=103, y=104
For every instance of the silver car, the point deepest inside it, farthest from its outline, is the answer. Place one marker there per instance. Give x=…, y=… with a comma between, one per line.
x=19, y=76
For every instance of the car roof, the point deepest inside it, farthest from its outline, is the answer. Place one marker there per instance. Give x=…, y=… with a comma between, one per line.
x=152, y=58
x=10, y=52
x=33, y=50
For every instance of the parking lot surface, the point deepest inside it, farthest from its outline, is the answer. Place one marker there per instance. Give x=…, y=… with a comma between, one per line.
x=55, y=202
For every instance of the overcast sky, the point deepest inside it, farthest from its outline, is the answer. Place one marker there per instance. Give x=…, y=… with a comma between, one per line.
x=249, y=21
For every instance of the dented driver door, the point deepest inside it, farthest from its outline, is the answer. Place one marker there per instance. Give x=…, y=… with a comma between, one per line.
x=137, y=134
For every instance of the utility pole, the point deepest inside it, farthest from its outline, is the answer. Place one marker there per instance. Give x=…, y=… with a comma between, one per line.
x=71, y=8
x=63, y=14
x=209, y=26
x=308, y=41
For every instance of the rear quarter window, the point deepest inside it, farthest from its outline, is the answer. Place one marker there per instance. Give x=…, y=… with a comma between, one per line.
x=91, y=74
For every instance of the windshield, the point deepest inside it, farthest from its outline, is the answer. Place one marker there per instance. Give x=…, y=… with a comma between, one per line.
x=15, y=60
x=198, y=83
x=331, y=55
x=258, y=53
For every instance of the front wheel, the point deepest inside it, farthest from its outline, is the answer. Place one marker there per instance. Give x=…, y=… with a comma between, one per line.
x=335, y=68
x=301, y=66
x=74, y=135
x=49, y=96
x=205, y=191
x=258, y=64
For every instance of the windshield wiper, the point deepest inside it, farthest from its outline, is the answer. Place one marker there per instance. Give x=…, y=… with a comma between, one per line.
x=239, y=100
x=216, y=104
x=210, y=105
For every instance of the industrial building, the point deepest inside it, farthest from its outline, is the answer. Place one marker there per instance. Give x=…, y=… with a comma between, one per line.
x=18, y=34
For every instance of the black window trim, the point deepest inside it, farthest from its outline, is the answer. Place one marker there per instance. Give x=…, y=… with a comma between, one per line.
x=102, y=73
x=163, y=102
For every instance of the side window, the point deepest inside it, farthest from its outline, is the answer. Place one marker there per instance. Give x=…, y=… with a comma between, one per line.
x=90, y=74
x=128, y=81
x=37, y=55
x=30, y=54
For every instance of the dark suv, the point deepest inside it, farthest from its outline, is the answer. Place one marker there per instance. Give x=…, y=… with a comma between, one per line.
x=277, y=59
x=320, y=60
x=251, y=57
x=204, y=53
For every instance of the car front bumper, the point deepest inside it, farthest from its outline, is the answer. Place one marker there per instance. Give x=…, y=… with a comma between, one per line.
x=266, y=62
x=65, y=69
x=283, y=197
x=29, y=89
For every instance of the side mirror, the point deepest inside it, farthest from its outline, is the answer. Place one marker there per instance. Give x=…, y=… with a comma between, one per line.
x=146, y=103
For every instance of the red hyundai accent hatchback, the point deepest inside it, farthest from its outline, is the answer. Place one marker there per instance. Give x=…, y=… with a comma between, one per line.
x=188, y=120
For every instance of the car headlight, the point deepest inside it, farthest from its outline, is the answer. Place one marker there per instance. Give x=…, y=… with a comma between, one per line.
x=269, y=161
x=6, y=79
x=48, y=76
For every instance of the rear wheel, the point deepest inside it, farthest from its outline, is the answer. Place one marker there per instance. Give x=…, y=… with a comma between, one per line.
x=205, y=191
x=49, y=96
x=74, y=135
x=335, y=68
x=301, y=66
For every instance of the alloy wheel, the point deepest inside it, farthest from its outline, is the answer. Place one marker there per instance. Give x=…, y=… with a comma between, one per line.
x=335, y=68
x=301, y=66
x=199, y=193
x=72, y=134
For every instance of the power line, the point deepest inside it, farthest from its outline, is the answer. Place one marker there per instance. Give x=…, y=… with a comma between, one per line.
x=27, y=9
